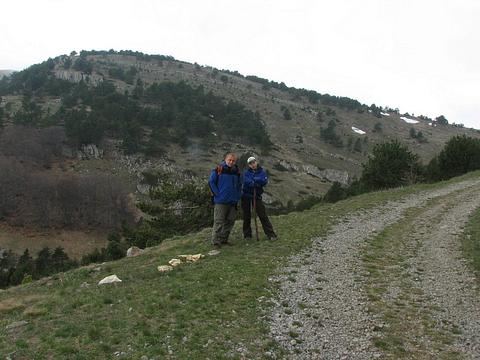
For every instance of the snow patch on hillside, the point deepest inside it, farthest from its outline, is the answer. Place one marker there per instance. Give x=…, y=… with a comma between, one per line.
x=409, y=121
x=358, y=131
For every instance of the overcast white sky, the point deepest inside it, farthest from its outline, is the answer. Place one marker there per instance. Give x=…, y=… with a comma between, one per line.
x=421, y=56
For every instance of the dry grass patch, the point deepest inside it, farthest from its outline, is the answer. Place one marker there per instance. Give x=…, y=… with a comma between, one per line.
x=29, y=303
x=9, y=305
x=35, y=311
x=75, y=243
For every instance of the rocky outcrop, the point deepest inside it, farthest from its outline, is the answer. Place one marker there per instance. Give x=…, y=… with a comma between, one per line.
x=134, y=251
x=143, y=189
x=330, y=175
x=77, y=76
x=90, y=151
x=289, y=166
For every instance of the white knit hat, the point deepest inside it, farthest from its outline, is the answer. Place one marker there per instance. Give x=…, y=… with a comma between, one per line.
x=251, y=159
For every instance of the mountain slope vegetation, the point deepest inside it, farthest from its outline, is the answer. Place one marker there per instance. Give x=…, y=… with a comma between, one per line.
x=112, y=128
x=156, y=106
x=218, y=306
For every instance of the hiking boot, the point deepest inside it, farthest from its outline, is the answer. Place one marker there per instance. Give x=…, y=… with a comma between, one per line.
x=273, y=237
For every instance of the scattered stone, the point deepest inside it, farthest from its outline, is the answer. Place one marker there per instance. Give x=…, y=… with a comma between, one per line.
x=16, y=325
x=109, y=280
x=210, y=341
x=175, y=262
x=134, y=251
x=213, y=252
x=335, y=316
x=90, y=151
x=164, y=268
x=191, y=258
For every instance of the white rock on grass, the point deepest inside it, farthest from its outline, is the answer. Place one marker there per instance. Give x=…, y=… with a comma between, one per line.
x=134, y=251
x=175, y=262
x=213, y=252
x=191, y=258
x=164, y=268
x=16, y=325
x=109, y=280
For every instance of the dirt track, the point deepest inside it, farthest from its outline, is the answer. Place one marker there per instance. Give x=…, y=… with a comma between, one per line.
x=425, y=290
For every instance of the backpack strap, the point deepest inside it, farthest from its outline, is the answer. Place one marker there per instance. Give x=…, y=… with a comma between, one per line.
x=218, y=170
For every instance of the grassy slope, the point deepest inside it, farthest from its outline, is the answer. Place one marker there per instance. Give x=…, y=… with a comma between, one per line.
x=471, y=242
x=284, y=133
x=211, y=308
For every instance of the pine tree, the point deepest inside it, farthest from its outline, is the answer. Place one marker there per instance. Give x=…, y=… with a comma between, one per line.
x=43, y=262
x=25, y=266
x=391, y=164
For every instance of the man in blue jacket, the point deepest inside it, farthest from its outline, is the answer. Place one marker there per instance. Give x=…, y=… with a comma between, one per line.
x=255, y=178
x=226, y=188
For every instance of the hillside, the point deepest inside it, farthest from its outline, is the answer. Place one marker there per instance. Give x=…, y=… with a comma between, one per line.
x=381, y=275
x=101, y=129
x=300, y=162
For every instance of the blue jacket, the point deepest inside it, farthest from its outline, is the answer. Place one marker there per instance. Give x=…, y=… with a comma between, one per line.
x=226, y=186
x=254, y=178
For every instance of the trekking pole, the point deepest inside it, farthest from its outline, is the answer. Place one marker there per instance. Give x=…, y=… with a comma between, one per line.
x=255, y=210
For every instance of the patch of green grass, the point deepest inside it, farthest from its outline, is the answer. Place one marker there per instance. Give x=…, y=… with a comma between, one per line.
x=21, y=344
x=293, y=334
x=471, y=242
x=207, y=307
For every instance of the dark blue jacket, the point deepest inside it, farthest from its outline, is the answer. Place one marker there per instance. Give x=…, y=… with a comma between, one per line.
x=254, y=178
x=226, y=186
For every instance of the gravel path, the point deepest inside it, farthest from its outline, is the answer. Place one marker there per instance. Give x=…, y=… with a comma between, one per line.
x=321, y=308
x=447, y=281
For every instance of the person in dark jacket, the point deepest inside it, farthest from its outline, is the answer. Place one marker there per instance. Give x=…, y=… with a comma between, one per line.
x=256, y=178
x=226, y=188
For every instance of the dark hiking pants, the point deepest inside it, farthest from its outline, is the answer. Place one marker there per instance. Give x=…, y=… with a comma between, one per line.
x=223, y=220
x=247, y=205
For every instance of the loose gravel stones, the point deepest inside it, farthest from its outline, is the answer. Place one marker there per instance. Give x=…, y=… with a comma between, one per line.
x=321, y=309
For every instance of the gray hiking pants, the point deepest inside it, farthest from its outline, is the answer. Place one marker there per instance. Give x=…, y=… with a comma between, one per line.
x=223, y=220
